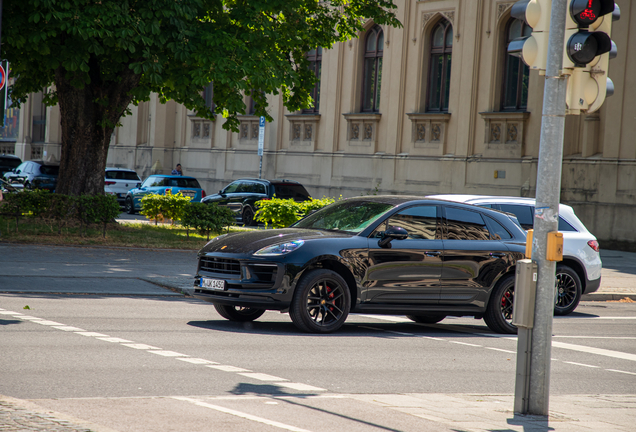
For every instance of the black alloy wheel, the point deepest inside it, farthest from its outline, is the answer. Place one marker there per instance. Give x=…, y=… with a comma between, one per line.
x=248, y=216
x=130, y=207
x=321, y=302
x=426, y=319
x=498, y=316
x=568, y=290
x=239, y=314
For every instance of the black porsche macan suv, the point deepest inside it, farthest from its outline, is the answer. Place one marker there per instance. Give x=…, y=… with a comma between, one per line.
x=423, y=258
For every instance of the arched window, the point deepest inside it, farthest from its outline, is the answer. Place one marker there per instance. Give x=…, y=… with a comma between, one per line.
x=315, y=65
x=516, y=73
x=440, y=66
x=374, y=46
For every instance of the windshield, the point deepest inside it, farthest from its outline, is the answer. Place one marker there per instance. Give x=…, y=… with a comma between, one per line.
x=350, y=216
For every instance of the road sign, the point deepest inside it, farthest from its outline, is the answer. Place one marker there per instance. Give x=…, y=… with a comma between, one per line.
x=3, y=77
x=261, y=135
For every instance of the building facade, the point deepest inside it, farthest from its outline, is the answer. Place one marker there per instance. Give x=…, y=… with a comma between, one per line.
x=437, y=106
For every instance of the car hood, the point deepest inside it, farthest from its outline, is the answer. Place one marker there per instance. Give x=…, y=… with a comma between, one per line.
x=250, y=242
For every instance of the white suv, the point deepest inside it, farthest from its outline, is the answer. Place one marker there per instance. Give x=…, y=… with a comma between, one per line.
x=579, y=272
x=119, y=181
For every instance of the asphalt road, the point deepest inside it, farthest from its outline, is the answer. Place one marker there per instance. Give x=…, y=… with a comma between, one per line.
x=128, y=355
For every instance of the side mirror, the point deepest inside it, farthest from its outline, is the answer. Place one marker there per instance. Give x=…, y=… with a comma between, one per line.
x=138, y=185
x=393, y=233
x=221, y=193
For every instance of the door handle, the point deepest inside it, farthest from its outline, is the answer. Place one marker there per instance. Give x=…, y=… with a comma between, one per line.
x=432, y=254
x=497, y=254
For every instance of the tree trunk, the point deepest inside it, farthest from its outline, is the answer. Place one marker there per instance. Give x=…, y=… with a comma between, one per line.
x=88, y=117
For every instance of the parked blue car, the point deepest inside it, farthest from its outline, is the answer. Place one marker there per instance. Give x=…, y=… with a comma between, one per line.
x=159, y=184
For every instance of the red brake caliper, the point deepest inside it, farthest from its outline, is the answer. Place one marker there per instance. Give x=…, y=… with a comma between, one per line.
x=330, y=297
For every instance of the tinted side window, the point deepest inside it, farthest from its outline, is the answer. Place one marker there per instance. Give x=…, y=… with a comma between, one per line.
x=420, y=222
x=259, y=188
x=523, y=213
x=50, y=169
x=127, y=175
x=465, y=225
x=564, y=226
x=111, y=174
x=244, y=187
x=497, y=230
x=287, y=191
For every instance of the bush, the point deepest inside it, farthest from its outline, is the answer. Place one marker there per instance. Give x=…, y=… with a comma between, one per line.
x=206, y=218
x=167, y=206
x=285, y=212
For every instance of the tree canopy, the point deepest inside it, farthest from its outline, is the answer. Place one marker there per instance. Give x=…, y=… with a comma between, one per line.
x=122, y=50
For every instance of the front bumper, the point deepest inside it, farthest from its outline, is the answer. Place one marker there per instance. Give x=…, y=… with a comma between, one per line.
x=248, y=283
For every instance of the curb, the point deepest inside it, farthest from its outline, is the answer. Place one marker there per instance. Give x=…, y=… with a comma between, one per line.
x=608, y=296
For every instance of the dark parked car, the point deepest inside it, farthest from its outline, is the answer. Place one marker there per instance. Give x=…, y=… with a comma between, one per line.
x=423, y=258
x=160, y=184
x=8, y=162
x=241, y=195
x=35, y=174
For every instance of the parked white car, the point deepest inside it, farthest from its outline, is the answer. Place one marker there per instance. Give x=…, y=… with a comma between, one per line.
x=579, y=272
x=119, y=181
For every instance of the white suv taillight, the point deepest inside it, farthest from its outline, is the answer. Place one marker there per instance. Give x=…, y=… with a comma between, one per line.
x=108, y=183
x=593, y=244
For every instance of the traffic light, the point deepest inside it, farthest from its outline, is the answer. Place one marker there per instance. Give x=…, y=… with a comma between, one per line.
x=533, y=49
x=587, y=51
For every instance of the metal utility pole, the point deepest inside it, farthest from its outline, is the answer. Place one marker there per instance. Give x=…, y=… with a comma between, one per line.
x=546, y=217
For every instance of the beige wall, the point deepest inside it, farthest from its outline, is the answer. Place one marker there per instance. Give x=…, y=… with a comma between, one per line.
x=599, y=166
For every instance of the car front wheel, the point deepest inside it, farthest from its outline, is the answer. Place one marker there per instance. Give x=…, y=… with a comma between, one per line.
x=130, y=207
x=498, y=316
x=321, y=302
x=237, y=313
x=568, y=290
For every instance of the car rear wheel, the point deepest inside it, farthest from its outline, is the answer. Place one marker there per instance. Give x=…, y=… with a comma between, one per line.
x=321, y=302
x=237, y=313
x=568, y=290
x=248, y=216
x=498, y=316
x=426, y=319
x=130, y=207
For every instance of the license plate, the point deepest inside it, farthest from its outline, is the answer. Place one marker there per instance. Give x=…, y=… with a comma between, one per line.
x=188, y=193
x=215, y=284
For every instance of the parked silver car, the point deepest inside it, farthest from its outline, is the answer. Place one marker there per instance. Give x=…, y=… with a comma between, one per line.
x=580, y=271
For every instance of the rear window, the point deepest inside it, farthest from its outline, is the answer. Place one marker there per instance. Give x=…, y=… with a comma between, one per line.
x=122, y=175
x=10, y=162
x=184, y=183
x=50, y=169
x=293, y=191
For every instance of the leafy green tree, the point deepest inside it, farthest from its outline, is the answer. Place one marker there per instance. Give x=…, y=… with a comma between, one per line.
x=96, y=57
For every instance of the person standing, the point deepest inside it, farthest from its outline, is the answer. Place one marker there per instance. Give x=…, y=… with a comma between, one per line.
x=177, y=170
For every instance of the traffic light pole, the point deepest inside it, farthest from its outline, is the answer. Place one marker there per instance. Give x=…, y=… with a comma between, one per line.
x=547, y=211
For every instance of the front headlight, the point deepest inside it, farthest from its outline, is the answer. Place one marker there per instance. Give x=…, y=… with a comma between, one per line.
x=280, y=249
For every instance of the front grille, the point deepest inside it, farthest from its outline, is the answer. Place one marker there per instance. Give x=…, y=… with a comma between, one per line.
x=220, y=265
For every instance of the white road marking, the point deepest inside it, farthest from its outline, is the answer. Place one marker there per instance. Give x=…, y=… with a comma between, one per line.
x=69, y=328
x=387, y=318
x=464, y=343
x=6, y=312
x=580, y=364
x=595, y=337
x=605, y=318
x=167, y=353
x=502, y=350
x=28, y=317
x=262, y=376
x=114, y=339
x=91, y=334
x=140, y=346
x=228, y=368
x=241, y=414
x=196, y=360
x=620, y=371
x=591, y=350
x=300, y=386
x=48, y=323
